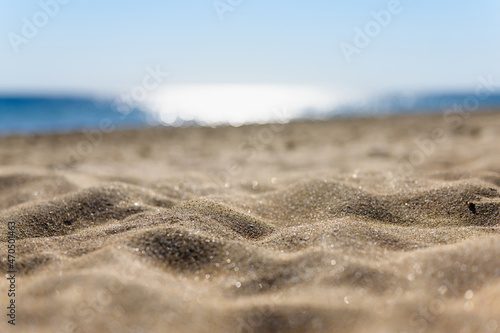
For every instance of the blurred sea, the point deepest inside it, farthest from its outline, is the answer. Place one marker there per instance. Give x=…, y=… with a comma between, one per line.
x=32, y=114
x=28, y=114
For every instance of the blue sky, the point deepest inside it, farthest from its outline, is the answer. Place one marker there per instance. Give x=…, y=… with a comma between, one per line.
x=103, y=47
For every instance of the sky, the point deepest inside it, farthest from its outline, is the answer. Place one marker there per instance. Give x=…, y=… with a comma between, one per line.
x=109, y=47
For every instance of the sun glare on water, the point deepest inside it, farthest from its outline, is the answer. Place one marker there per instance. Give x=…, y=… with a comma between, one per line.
x=237, y=104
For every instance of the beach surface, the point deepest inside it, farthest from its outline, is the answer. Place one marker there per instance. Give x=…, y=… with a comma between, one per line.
x=351, y=225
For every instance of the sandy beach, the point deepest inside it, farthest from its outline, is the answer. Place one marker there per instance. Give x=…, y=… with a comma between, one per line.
x=350, y=225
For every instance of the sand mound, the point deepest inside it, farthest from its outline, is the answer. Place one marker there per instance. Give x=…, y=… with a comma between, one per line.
x=16, y=188
x=278, y=247
x=463, y=202
x=82, y=209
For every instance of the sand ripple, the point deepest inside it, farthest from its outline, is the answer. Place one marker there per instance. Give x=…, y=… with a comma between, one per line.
x=319, y=254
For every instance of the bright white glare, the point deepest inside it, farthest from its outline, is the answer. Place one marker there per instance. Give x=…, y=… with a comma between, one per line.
x=237, y=104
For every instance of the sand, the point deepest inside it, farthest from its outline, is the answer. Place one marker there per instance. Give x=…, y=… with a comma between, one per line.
x=353, y=225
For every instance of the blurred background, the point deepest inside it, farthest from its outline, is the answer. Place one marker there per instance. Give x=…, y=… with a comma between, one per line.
x=68, y=65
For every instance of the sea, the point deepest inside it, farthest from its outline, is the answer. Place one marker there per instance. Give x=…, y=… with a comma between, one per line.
x=29, y=114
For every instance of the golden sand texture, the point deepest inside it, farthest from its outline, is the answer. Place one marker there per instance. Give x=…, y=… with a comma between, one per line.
x=356, y=225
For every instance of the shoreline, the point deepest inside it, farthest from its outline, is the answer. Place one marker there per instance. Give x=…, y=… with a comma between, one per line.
x=336, y=118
